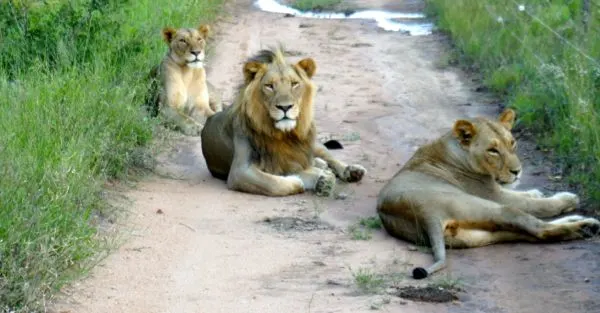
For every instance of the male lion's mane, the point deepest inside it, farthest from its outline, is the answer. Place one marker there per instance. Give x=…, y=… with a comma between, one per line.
x=278, y=152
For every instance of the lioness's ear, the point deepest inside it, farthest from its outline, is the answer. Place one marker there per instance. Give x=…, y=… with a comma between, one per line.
x=507, y=118
x=251, y=69
x=464, y=131
x=309, y=66
x=204, y=30
x=168, y=33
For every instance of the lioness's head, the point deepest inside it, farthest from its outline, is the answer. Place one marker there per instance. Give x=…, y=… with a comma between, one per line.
x=490, y=146
x=281, y=91
x=186, y=45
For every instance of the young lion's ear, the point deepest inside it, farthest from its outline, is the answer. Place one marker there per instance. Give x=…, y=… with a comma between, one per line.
x=204, y=30
x=309, y=66
x=168, y=34
x=251, y=69
x=507, y=118
x=464, y=131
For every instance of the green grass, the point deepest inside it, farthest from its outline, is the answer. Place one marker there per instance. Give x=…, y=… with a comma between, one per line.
x=72, y=79
x=555, y=87
x=362, y=229
x=315, y=5
x=367, y=280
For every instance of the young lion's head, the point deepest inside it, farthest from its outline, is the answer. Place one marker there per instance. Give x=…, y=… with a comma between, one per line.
x=278, y=96
x=490, y=147
x=186, y=45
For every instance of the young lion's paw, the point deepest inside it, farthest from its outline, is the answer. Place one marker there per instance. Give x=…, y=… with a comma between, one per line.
x=354, y=173
x=535, y=193
x=571, y=200
x=325, y=184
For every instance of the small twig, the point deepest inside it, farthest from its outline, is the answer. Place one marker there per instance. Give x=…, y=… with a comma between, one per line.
x=311, y=300
x=189, y=227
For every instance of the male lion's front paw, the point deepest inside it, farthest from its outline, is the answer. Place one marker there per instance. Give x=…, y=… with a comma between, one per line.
x=534, y=193
x=296, y=185
x=320, y=163
x=354, y=173
x=570, y=200
x=325, y=184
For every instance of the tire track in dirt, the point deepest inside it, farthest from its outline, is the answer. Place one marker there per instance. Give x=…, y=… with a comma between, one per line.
x=381, y=94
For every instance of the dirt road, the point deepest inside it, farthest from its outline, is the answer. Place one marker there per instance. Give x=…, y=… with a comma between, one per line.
x=382, y=95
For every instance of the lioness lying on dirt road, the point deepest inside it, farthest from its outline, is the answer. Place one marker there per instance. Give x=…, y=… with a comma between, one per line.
x=450, y=193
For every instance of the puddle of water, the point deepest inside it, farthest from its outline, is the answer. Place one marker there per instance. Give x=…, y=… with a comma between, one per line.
x=385, y=20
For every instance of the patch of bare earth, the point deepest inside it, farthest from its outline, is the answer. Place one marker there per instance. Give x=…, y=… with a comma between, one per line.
x=382, y=94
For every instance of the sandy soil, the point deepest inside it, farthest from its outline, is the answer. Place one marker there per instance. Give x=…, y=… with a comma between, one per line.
x=382, y=95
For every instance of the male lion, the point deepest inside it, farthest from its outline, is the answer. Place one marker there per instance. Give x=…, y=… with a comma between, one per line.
x=264, y=143
x=184, y=91
x=452, y=193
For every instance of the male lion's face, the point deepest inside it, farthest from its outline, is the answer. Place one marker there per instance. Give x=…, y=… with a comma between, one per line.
x=282, y=88
x=187, y=45
x=491, y=147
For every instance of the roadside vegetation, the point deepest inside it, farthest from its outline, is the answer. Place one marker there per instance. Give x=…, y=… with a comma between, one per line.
x=73, y=76
x=315, y=5
x=543, y=57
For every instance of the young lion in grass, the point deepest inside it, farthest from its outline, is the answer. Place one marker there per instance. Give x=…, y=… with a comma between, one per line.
x=185, y=95
x=451, y=193
x=264, y=143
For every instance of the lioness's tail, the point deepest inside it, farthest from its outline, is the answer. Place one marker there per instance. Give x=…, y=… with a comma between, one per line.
x=333, y=144
x=436, y=240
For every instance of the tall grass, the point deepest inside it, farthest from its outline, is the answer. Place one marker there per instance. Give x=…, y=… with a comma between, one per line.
x=544, y=58
x=72, y=80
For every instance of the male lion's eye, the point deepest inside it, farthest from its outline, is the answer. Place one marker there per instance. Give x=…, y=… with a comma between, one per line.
x=182, y=40
x=295, y=84
x=493, y=151
x=269, y=86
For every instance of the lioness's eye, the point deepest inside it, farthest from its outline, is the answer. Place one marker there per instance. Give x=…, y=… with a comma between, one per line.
x=269, y=86
x=295, y=84
x=493, y=151
x=182, y=40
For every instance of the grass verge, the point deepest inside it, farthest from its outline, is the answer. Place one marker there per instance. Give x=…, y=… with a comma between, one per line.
x=543, y=57
x=315, y=5
x=73, y=78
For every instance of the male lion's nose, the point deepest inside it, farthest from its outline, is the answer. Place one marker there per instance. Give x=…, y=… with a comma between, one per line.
x=284, y=108
x=195, y=52
x=515, y=172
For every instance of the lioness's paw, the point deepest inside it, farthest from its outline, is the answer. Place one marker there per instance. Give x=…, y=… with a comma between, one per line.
x=567, y=219
x=354, y=173
x=589, y=227
x=534, y=193
x=325, y=184
x=571, y=200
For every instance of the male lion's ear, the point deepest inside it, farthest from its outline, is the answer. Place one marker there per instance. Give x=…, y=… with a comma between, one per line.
x=204, y=30
x=251, y=69
x=309, y=66
x=464, y=131
x=507, y=118
x=168, y=33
